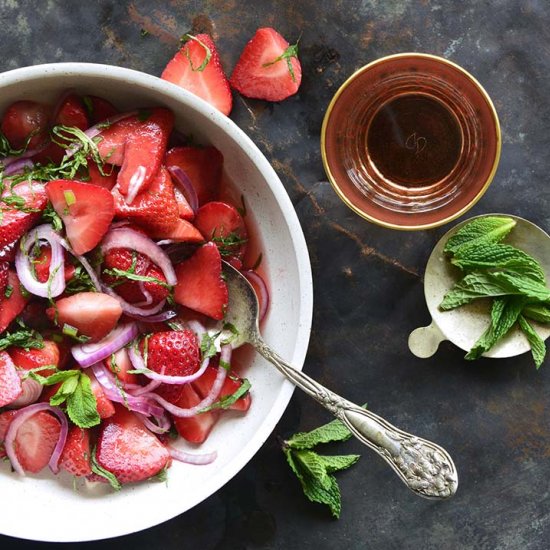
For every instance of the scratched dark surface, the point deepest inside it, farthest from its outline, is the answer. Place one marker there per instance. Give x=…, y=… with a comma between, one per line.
x=492, y=416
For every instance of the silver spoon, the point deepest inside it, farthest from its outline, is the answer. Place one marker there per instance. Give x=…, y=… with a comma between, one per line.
x=426, y=468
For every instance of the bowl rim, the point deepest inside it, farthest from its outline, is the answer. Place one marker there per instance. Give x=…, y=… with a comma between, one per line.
x=305, y=282
x=368, y=67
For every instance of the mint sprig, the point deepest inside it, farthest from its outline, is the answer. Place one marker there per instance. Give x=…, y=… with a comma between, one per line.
x=102, y=472
x=314, y=471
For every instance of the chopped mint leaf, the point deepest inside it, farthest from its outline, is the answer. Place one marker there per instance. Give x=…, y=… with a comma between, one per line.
x=50, y=216
x=228, y=244
x=208, y=345
x=9, y=291
x=228, y=400
x=72, y=332
x=232, y=337
x=288, y=54
x=25, y=338
x=100, y=471
x=207, y=57
x=115, y=272
x=161, y=477
x=143, y=33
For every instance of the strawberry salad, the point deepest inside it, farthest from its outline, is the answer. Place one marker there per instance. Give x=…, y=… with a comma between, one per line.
x=112, y=297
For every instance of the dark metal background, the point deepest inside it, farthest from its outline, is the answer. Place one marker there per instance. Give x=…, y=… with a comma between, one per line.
x=492, y=416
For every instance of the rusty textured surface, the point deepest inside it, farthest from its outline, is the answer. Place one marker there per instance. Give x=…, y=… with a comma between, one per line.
x=493, y=417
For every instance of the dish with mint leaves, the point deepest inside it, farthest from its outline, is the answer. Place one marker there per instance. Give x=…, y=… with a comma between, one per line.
x=514, y=281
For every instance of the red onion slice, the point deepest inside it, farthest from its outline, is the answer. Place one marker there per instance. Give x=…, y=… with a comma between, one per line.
x=206, y=402
x=161, y=427
x=31, y=392
x=184, y=183
x=29, y=153
x=160, y=318
x=55, y=285
x=193, y=458
x=261, y=287
x=19, y=418
x=18, y=166
x=88, y=354
x=139, y=364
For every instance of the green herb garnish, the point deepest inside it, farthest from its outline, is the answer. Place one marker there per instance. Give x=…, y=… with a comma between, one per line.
x=288, y=54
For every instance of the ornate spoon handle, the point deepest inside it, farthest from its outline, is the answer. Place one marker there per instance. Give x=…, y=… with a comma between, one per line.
x=426, y=468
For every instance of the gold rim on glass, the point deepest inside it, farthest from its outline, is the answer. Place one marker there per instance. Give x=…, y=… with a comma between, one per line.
x=443, y=221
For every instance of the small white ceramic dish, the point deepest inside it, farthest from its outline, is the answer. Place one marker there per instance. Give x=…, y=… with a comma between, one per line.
x=29, y=503
x=464, y=325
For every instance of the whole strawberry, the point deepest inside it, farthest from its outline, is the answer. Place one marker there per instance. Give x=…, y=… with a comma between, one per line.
x=176, y=353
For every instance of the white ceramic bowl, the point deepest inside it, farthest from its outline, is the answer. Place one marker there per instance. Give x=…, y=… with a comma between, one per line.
x=30, y=503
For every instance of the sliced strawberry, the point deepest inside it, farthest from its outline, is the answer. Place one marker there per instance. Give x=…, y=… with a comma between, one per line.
x=220, y=222
x=10, y=383
x=11, y=307
x=191, y=69
x=72, y=113
x=28, y=359
x=49, y=391
x=120, y=367
x=105, y=407
x=75, y=457
x=4, y=270
x=156, y=211
x=174, y=353
x=23, y=119
x=15, y=221
x=35, y=441
x=123, y=259
x=5, y=420
x=232, y=383
x=128, y=450
x=139, y=145
x=42, y=265
x=87, y=211
x=95, y=177
x=203, y=166
x=98, y=108
x=93, y=314
x=194, y=429
x=263, y=70
x=7, y=253
x=200, y=285
x=184, y=209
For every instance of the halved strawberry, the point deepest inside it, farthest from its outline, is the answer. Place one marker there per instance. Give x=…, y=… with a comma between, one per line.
x=93, y=314
x=123, y=259
x=232, y=383
x=72, y=113
x=12, y=306
x=156, y=211
x=23, y=119
x=35, y=441
x=75, y=457
x=184, y=209
x=197, y=68
x=176, y=353
x=10, y=383
x=98, y=108
x=106, y=180
x=28, y=359
x=203, y=166
x=220, y=222
x=139, y=145
x=105, y=407
x=200, y=285
x=268, y=67
x=86, y=210
x=129, y=450
x=121, y=366
x=5, y=420
x=42, y=265
x=4, y=269
x=194, y=429
x=15, y=220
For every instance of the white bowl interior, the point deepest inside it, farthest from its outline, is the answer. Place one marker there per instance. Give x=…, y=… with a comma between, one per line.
x=100, y=513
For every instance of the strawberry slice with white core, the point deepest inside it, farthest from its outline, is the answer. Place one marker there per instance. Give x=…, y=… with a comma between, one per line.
x=93, y=314
x=12, y=301
x=268, y=67
x=194, y=429
x=10, y=383
x=197, y=68
x=129, y=450
x=87, y=211
x=75, y=457
x=200, y=285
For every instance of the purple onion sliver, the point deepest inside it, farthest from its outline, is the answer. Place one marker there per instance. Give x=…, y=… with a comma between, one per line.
x=18, y=166
x=184, y=183
x=161, y=428
x=193, y=458
x=29, y=153
x=18, y=420
x=31, y=392
x=159, y=318
x=88, y=354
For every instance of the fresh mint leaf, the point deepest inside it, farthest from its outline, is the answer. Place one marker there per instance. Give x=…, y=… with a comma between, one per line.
x=208, y=345
x=82, y=405
x=115, y=272
x=538, y=347
x=228, y=400
x=102, y=472
x=335, y=463
x=25, y=338
x=333, y=431
x=488, y=229
x=537, y=312
x=516, y=284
